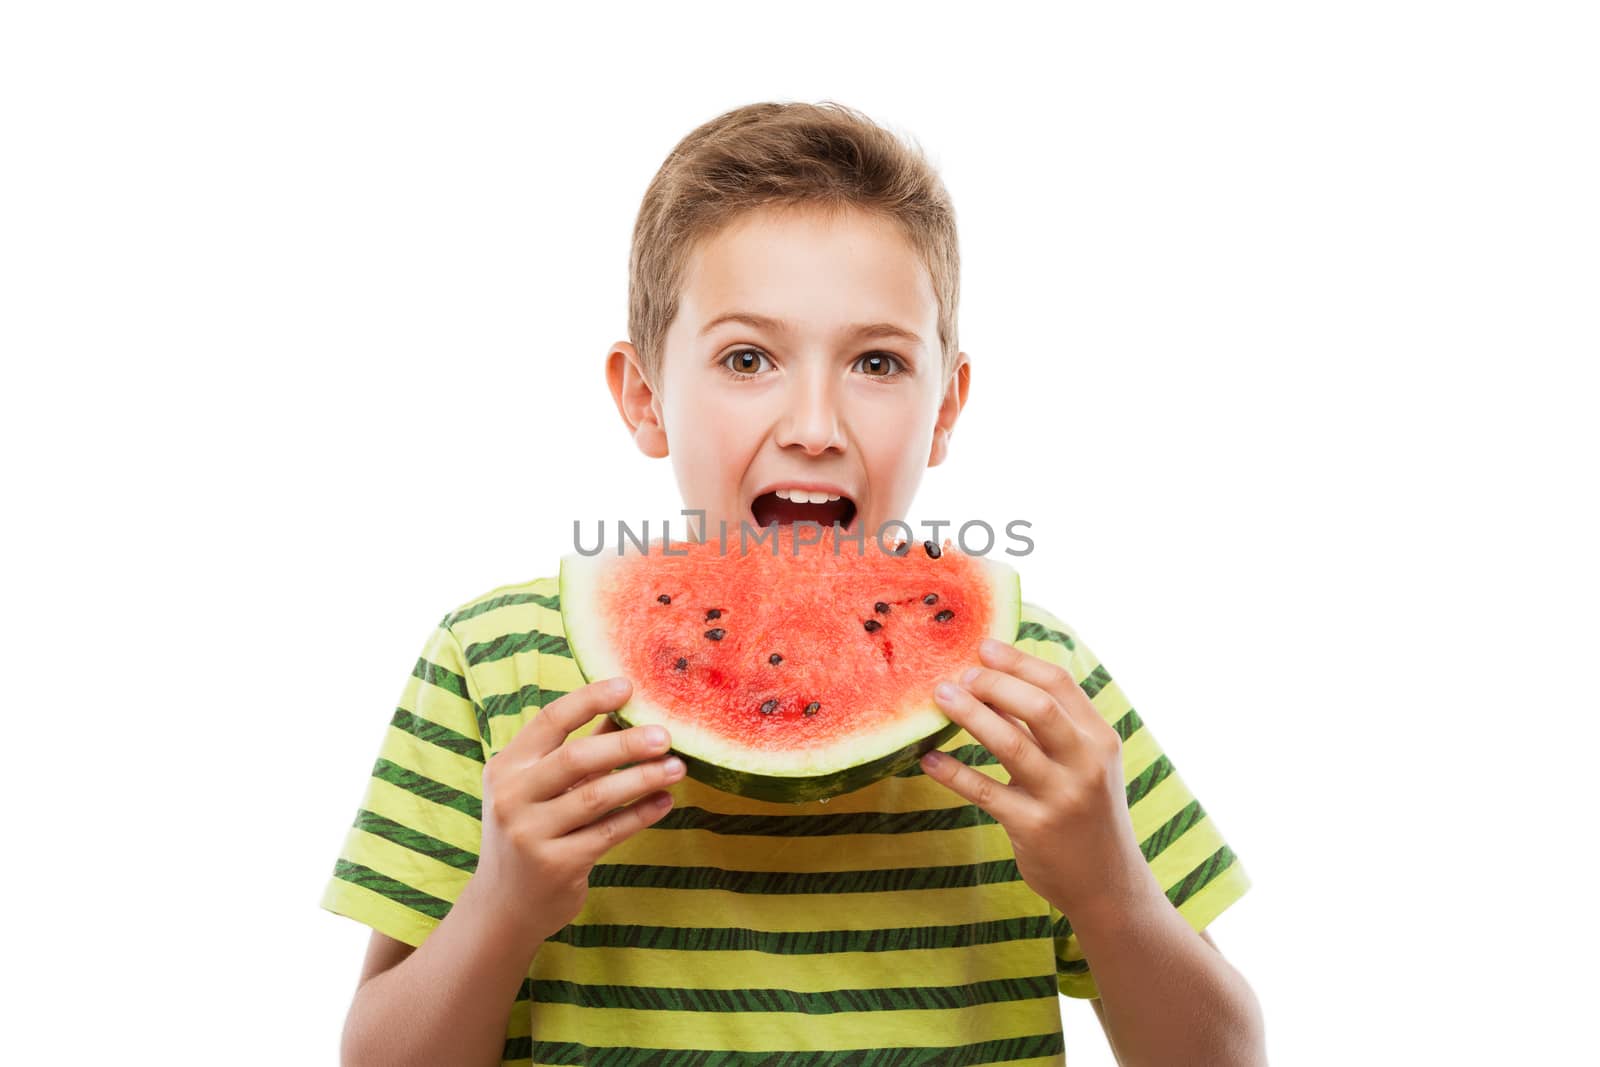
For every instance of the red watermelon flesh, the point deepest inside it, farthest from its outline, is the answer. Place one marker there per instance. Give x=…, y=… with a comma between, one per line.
x=793, y=674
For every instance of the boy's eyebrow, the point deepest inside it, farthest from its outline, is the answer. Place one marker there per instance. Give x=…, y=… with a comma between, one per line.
x=764, y=322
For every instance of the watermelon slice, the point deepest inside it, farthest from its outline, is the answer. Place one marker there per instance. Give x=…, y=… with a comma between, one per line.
x=793, y=675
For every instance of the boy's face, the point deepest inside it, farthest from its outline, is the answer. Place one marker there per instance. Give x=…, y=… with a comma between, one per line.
x=747, y=410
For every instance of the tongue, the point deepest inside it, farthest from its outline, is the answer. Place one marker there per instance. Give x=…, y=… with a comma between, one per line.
x=769, y=508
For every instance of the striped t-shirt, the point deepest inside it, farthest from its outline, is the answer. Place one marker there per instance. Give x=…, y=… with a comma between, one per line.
x=887, y=926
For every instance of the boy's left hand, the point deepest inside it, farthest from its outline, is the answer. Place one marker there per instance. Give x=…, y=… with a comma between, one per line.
x=1066, y=809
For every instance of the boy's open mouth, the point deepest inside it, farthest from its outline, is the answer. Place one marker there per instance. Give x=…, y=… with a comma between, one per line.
x=785, y=506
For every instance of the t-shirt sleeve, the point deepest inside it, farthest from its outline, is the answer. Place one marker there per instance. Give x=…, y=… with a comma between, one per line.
x=1180, y=840
x=415, y=839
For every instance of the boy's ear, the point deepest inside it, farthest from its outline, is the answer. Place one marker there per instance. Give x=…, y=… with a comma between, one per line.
x=955, y=398
x=636, y=401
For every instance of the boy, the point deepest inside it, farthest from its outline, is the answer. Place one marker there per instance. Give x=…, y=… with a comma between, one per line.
x=793, y=290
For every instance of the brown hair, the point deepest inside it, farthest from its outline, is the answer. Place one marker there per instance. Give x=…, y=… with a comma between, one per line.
x=763, y=154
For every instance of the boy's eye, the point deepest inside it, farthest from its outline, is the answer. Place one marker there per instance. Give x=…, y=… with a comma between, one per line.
x=745, y=360
x=880, y=364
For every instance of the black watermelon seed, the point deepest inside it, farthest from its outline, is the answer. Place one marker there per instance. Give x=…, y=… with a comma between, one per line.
x=811, y=708
x=769, y=707
x=932, y=549
x=774, y=659
x=931, y=598
x=902, y=548
x=872, y=625
x=664, y=599
x=714, y=613
x=716, y=635
x=944, y=616
x=682, y=664
x=881, y=608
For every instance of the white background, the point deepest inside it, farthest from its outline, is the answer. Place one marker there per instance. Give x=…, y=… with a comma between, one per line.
x=1283, y=320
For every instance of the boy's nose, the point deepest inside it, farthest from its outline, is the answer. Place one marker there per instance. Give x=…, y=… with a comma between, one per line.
x=811, y=421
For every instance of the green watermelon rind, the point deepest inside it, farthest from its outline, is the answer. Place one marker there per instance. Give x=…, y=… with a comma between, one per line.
x=790, y=790
x=919, y=728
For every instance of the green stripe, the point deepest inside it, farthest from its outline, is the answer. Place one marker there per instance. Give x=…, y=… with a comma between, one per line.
x=975, y=755
x=1032, y=631
x=508, y=645
x=514, y=703
x=452, y=683
x=1148, y=779
x=493, y=603
x=801, y=942
x=826, y=1002
x=997, y=1051
x=1066, y=967
x=416, y=841
x=881, y=880
x=410, y=896
x=1201, y=876
x=1126, y=725
x=1171, y=830
x=441, y=677
x=427, y=788
x=434, y=734
x=1095, y=681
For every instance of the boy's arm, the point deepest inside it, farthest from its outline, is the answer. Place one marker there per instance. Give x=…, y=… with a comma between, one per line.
x=1162, y=1002
x=383, y=952
x=1100, y=1011
x=447, y=1001
x=1168, y=996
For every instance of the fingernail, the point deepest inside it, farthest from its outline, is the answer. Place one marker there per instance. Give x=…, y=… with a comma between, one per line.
x=617, y=685
x=945, y=692
x=930, y=761
x=993, y=647
x=673, y=764
x=656, y=736
x=968, y=675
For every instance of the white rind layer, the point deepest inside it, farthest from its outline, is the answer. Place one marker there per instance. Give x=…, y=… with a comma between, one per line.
x=581, y=578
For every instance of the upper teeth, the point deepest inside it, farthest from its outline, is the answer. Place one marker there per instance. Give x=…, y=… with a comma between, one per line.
x=802, y=496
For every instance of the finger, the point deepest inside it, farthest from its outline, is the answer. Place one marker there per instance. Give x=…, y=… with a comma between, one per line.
x=1016, y=749
x=995, y=797
x=1052, y=678
x=565, y=714
x=607, y=725
x=594, y=756
x=592, y=801
x=596, y=839
x=1041, y=711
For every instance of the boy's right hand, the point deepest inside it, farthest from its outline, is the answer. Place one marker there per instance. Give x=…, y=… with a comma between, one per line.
x=547, y=805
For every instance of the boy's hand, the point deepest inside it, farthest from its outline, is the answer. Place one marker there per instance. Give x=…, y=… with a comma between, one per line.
x=1066, y=809
x=548, y=805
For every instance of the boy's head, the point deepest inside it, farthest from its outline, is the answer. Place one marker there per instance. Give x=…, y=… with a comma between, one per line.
x=810, y=221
